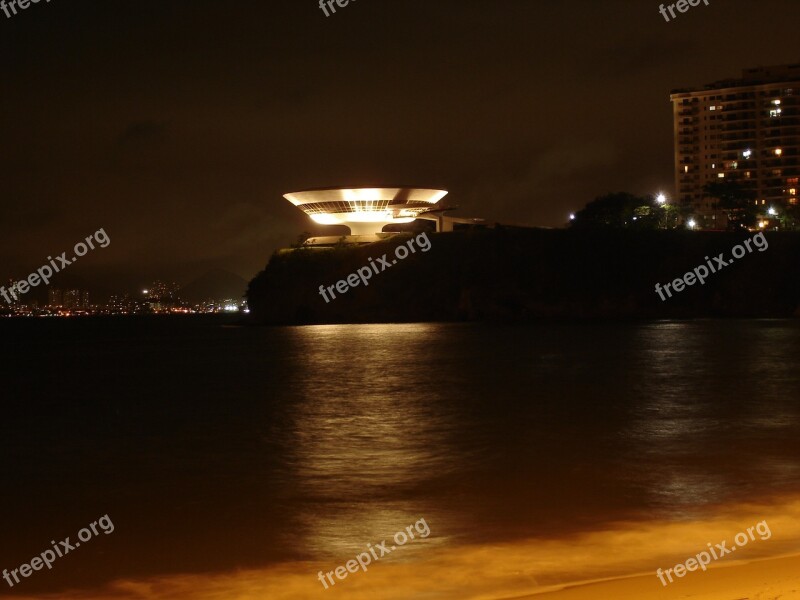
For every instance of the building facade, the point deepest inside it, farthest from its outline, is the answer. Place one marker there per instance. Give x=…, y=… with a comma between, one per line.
x=745, y=130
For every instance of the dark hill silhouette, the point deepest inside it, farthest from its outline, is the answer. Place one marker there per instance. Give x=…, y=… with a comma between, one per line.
x=515, y=274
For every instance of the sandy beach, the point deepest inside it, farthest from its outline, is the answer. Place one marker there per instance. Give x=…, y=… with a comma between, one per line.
x=769, y=579
x=617, y=562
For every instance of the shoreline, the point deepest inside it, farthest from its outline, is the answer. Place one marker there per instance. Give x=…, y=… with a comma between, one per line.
x=618, y=561
x=763, y=579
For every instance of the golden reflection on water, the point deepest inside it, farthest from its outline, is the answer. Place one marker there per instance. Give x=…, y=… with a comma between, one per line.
x=350, y=452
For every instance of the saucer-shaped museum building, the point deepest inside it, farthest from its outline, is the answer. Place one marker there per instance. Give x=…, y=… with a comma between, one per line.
x=365, y=210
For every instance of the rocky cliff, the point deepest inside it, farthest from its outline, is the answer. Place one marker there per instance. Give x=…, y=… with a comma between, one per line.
x=517, y=274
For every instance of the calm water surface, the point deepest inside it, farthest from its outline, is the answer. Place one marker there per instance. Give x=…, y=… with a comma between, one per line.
x=215, y=447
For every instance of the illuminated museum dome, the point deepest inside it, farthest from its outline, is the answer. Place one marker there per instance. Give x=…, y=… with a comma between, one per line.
x=365, y=210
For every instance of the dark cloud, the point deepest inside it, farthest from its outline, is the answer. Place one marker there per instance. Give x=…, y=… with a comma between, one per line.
x=143, y=134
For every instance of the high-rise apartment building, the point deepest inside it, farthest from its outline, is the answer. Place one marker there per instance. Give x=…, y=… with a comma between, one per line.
x=746, y=130
x=54, y=298
x=162, y=296
x=72, y=299
x=76, y=299
x=13, y=293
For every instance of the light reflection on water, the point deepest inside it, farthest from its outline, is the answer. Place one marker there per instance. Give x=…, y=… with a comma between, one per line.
x=265, y=447
x=391, y=423
x=709, y=407
x=357, y=435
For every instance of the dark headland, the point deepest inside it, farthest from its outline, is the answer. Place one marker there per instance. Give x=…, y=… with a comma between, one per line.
x=516, y=274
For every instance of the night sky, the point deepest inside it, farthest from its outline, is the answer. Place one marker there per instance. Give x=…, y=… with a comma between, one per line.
x=177, y=125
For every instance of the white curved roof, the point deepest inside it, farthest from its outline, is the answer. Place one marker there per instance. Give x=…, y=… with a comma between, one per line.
x=397, y=195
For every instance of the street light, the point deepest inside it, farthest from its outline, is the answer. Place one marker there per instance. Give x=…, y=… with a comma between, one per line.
x=661, y=199
x=691, y=223
x=772, y=211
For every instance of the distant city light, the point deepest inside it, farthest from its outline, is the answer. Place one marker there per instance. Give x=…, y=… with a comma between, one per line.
x=159, y=298
x=571, y=216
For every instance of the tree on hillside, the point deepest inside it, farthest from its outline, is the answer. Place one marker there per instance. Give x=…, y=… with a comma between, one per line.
x=301, y=240
x=735, y=199
x=790, y=217
x=620, y=210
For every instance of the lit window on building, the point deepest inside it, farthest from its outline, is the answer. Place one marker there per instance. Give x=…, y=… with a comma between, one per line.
x=778, y=152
